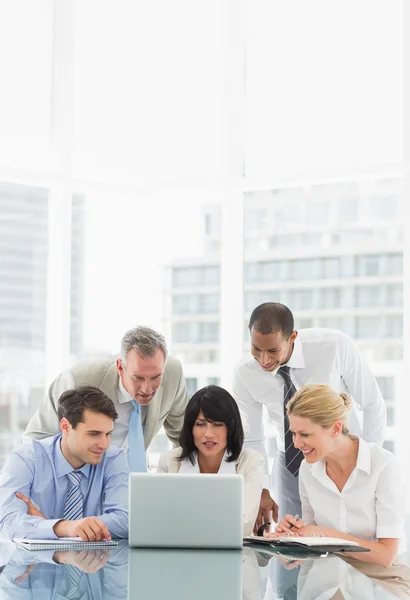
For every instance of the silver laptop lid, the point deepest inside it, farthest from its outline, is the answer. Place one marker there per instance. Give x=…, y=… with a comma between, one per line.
x=168, y=510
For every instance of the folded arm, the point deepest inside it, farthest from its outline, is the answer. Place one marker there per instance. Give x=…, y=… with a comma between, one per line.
x=17, y=476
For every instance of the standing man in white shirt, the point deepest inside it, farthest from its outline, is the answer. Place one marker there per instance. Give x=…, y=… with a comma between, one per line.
x=282, y=361
x=147, y=388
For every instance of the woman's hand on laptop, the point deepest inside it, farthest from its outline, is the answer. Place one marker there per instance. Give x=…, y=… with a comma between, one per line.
x=89, y=529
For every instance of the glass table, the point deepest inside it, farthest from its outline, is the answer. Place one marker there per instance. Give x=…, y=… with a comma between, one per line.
x=150, y=574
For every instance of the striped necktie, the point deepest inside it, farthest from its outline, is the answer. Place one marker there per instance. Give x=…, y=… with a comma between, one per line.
x=136, y=445
x=74, y=502
x=293, y=456
x=73, y=577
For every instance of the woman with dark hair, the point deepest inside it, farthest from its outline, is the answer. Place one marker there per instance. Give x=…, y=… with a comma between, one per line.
x=211, y=441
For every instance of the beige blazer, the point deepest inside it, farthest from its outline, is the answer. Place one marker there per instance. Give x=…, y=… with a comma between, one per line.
x=167, y=408
x=249, y=464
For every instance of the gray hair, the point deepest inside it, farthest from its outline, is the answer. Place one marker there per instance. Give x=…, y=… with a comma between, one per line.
x=144, y=340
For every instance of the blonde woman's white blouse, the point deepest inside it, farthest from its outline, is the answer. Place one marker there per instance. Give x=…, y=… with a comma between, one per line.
x=370, y=506
x=249, y=464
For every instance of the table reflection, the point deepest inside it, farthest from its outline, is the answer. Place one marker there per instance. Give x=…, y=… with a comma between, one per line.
x=252, y=574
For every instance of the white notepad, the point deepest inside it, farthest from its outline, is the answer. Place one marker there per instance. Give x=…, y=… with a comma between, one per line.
x=64, y=543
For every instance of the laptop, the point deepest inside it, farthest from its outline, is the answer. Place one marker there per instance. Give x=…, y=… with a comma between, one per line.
x=169, y=510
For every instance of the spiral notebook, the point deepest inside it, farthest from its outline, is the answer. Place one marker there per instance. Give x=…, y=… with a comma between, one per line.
x=64, y=543
x=315, y=543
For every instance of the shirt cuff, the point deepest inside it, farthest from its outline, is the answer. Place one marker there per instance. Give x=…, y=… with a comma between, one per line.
x=266, y=481
x=45, y=531
x=395, y=531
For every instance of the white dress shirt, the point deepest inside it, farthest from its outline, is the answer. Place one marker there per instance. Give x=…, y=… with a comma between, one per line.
x=325, y=356
x=371, y=504
x=225, y=468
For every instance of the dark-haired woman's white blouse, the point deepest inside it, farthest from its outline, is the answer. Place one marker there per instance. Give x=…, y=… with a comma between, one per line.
x=249, y=464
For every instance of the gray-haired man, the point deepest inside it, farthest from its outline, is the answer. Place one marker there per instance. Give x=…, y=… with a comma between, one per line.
x=147, y=387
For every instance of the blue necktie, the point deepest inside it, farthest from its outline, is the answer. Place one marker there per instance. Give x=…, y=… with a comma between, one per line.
x=74, y=502
x=136, y=445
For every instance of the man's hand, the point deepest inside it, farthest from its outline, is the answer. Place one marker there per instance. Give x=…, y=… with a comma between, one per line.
x=89, y=529
x=89, y=561
x=32, y=510
x=268, y=511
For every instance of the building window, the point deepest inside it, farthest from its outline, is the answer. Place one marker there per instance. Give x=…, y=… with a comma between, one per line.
x=393, y=264
x=368, y=265
x=390, y=416
x=317, y=213
x=192, y=385
x=394, y=326
x=300, y=299
x=347, y=210
x=368, y=295
x=195, y=304
x=386, y=385
x=384, y=207
x=195, y=333
x=195, y=276
x=389, y=445
x=329, y=297
x=394, y=295
x=368, y=327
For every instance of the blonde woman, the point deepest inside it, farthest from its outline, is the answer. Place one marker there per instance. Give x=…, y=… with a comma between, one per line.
x=349, y=488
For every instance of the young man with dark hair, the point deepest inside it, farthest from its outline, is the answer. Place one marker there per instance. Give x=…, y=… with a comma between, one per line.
x=72, y=484
x=282, y=361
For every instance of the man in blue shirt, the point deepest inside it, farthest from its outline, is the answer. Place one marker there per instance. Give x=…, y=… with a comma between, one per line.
x=78, y=483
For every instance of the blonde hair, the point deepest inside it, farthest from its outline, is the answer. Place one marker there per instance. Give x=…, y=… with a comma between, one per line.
x=321, y=404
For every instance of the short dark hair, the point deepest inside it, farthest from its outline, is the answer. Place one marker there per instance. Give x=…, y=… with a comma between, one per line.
x=217, y=405
x=72, y=404
x=272, y=316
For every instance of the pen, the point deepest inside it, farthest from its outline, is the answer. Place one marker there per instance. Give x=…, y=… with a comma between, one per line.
x=297, y=516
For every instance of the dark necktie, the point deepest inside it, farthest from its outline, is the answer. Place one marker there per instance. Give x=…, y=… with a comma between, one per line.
x=293, y=456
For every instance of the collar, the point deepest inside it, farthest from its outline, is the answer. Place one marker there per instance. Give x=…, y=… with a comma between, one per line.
x=226, y=468
x=123, y=395
x=62, y=465
x=363, y=463
x=296, y=360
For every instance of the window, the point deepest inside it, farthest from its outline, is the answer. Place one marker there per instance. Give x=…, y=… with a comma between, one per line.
x=192, y=385
x=317, y=213
x=368, y=265
x=195, y=276
x=329, y=297
x=384, y=207
x=195, y=304
x=389, y=445
x=368, y=327
x=331, y=323
x=390, y=416
x=300, y=299
x=394, y=264
x=197, y=332
x=330, y=268
x=348, y=210
x=368, y=295
x=394, y=326
x=394, y=295
x=386, y=385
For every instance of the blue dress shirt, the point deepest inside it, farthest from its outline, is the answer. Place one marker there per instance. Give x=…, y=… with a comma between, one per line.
x=39, y=470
